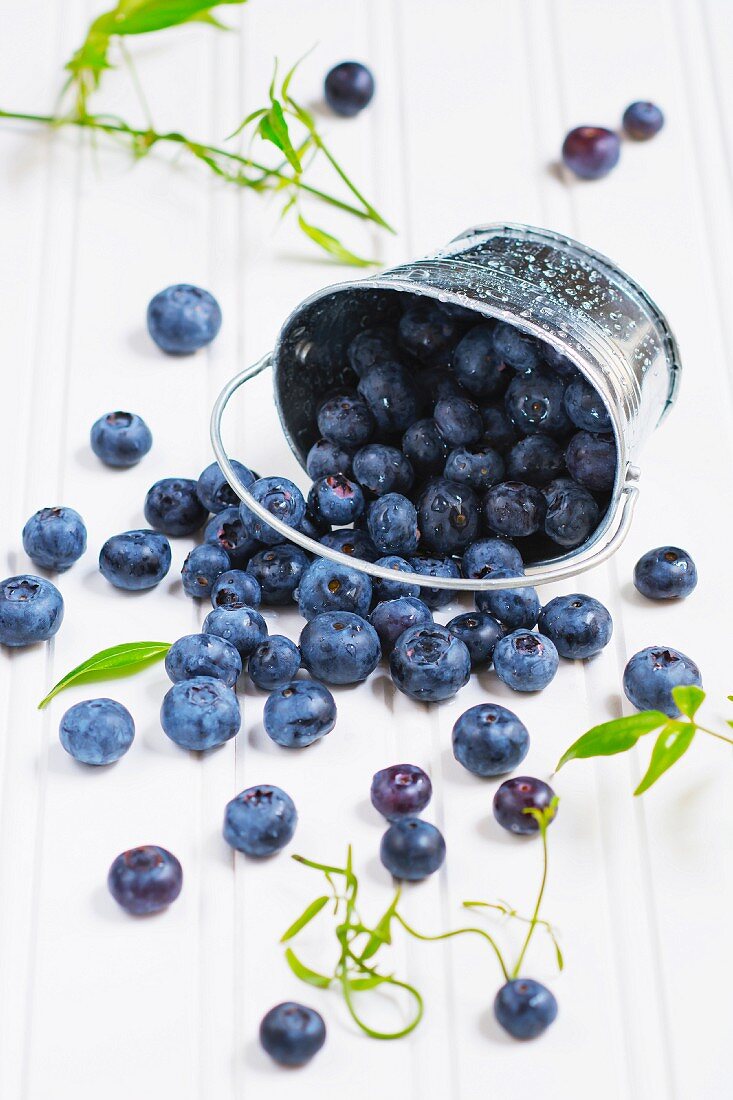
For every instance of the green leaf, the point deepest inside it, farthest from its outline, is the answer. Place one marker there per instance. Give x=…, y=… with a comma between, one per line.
x=119, y=660
x=672, y=743
x=332, y=245
x=272, y=127
x=307, y=915
x=612, y=737
x=381, y=934
x=689, y=698
x=144, y=16
x=312, y=977
x=361, y=985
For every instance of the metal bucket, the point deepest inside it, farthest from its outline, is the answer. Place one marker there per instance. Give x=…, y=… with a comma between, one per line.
x=543, y=283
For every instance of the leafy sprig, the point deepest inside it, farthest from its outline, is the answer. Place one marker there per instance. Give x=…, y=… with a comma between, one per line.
x=118, y=660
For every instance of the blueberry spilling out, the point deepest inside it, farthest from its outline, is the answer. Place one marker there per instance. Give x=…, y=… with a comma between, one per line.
x=349, y=87
x=513, y=800
x=31, y=610
x=260, y=821
x=145, y=880
x=292, y=1033
x=525, y=1008
x=642, y=120
x=666, y=573
x=55, y=538
x=403, y=790
x=591, y=152
x=120, y=439
x=651, y=674
x=183, y=318
x=412, y=849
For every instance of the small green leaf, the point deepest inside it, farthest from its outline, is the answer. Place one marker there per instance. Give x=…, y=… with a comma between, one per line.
x=272, y=127
x=361, y=985
x=672, y=743
x=381, y=934
x=312, y=910
x=612, y=737
x=332, y=245
x=118, y=660
x=689, y=698
x=545, y=815
x=312, y=977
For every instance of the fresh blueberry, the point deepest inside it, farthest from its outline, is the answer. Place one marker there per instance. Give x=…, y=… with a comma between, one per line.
x=274, y=663
x=585, y=407
x=120, y=439
x=448, y=516
x=339, y=647
x=336, y=499
x=183, y=318
x=380, y=469
x=291, y=1033
x=392, y=618
x=237, y=588
x=514, y=607
x=326, y=458
x=486, y=556
x=535, y=402
x=326, y=586
x=260, y=821
x=558, y=362
x=278, y=571
x=55, y=538
x=215, y=492
x=242, y=626
x=572, y=513
x=135, y=560
x=371, y=347
x=514, y=509
x=200, y=713
x=477, y=365
x=356, y=544
x=479, y=632
x=518, y=350
x=459, y=421
x=145, y=880
x=31, y=610
x=392, y=523
x=393, y=590
x=203, y=655
x=437, y=382
x=173, y=507
x=591, y=460
x=536, y=460
x=315, y=527
x=392, y=397
x=412, y=849
x=424, y=447
x=403, y=790
x=500, y=433
x=97, y=731
x=435, y=597
x=202, y=567
x=226, y=530
x=525, y=661
x=515, y=797
x=299, y=714
x=346, y=420
x=282, y=499
x=478, y=469
x=427, y=331
x=642, y=120
x=667, y=573
x=525, y=1008
x=490, y=740
x=578, y=625
x=591, y=151
x=429, y=663
x=651, y=674
x=348, y=87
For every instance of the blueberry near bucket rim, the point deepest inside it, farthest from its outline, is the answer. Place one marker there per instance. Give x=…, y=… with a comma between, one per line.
x=545, y=285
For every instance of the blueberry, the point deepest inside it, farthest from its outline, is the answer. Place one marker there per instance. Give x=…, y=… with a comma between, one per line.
x=448, y=516
x=479, y=632
x=515, y=509
x=202, y=567
x=585, y=407
x=391, y=396
x=578, y=625
x=489, y=740
x=356, y=544
x=393, y=590
x=559, y=362
x=135, y=560
x=315, y=527
x=55, y=538
x=525, y=661
x=572, y=513
x=535, y=460
x=435, y=567
x=274, y=663
x=591, y=460
x=477, y=365
x=525, y=1008
x=242, y=626
x=651, y=674
x=173, y=507
x=336, y=499
x=215, y=492
x=326, y=586
x=642, y=120
x=515, y=797
x=200, y=713
x=667, y=573
x=392, y=618
x=412, y=849
x=203, y=655
x=292, y=1033
x=500, y=433
x=260, y=821
x=518, y=350
x=346, y=420
x=299, y=714
x=226, y=530
x=424, y=447
x=437, y=382
x=326, y=458
x=97, y=731
x=371, y=347
x=429, y=664
x=183, y=318
x=591, y=151
x=339, y=647
x=348, y=87
x=535, y=402
x=392, y=523
x=459, y=421
x=278, y=571
x=31, y=610
x=514, y=607
x=282, y=499
x=238, y=588
x=120, y=439
x=427, y=331
x=402, y=790
x=485, y=556
x=380, y=469
x=145, y=880
x=478, y=469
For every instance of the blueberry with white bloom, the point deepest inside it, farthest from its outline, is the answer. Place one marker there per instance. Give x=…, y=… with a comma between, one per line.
x=393, y=525
x=226, y=530
x=435, y=567
x=215, y=492
x=346, y=420
x=54, y=538
x=380, y=469
x=201, y=569
x=429, y=664
x=666, y=573
x=326, y=586
x=260, y=821
x=336, y=499
x=274, y=663
x=525, y=1008
x=393, y=589
x=183, y=318
x=31, y=610
x=120, y=439
x=292, y=1033
x=477, y=364
x=489, y=740
x=173, y=507
x=479, y=631
x=412, y=849
x=591, y=460
x=200, y=713
x=525, y=661
x=135, y=560
x=651, y=674
x=579, y=626
x=203, y=655
x=326, y=458
x=238, y=587
x=97, y=731
x=392, y=618
x=244, y=627
x=299, y=713
x=282, y=499
x=339, y=647
x=277, y=570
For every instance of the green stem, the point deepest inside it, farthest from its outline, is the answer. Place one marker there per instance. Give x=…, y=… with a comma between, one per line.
x=126, y=57
x=457, y=932
x=718, y=736
x=534, y=920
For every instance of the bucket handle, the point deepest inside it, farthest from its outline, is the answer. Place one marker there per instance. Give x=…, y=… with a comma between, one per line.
x=608, y=538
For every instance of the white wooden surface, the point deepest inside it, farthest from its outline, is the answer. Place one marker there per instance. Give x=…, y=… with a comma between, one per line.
x=473, y=100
